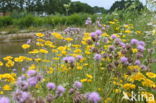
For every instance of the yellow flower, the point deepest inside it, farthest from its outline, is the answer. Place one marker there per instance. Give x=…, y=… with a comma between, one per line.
x=138, y=76
x=151, y=75
x=25, y=46
x=35, y=51
x=43, y=51
x=57, y=35
x=40, y=34
x=129, y=86
x=148, y=83
x=108, y=100
x=68, y=39
x=89, y=76
x=77, y=51
x=79, y=67
x=50, y=70
x=111, y=22
x=10, y=63
x=83, y=80
x=117, y=91
x=6, y=87
x=7, y=58
x=127, y=31
x=1, y=63
x=32, y=66
x=134, y=50
x=39, y=44
x=1, y=92
x=138, y=32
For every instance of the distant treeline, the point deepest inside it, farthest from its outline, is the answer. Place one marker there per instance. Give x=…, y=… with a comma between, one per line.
x=65, y=7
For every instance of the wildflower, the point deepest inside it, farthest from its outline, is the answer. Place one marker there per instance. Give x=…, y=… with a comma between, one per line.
x=1, y=63
x=25, y=46
x=60, y=90
x=51, y=86
x=21, y=96
x=97, y=57
x=49, y=98
x=124, y=59
x=6, y=87
x=79, y=57
x=134, y=41
x=57, y=35
x=31, y=73
x=32, y=81
x=68, y=39
x=43, y=51
x=151, y=75
x=129, y=86
x=137, y=62
x=69, y=59
x=113, y=36
x=93, y=97
x=98, y=32
x=140, y=48
x=40, y=35
x=93, y=35
x=141, y=43
x=77, y=85
x=23, y=85
x=4, y=100
x=148, y=83
x=9, y=64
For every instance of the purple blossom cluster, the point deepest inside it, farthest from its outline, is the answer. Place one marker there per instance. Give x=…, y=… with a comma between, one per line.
x=70, y=30
x=88, y=21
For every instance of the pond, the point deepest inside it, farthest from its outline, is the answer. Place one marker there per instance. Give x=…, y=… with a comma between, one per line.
x=12, y=48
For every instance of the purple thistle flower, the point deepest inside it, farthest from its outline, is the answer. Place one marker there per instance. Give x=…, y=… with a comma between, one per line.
x=140, y=48
x=79, y=57
x=137, y=62
x=23, y=85
x=4, y=100
x=23, y=69
x=65, y=59
x=93, y=97
x=141, y=43
x=60, y=89
x=123, y=45
x=28, y=41
x=134, y=41
x=21, y=96
x=31, y=73
x=93, y=35
x=97, y=57
x=32, y=81
x=103, y=28
x=124, y=59
x=77, y=85
x=69, y=59
x=98, y=32
x=51, y=86
x=113, y=36
x=111, y=48
x=105, y=40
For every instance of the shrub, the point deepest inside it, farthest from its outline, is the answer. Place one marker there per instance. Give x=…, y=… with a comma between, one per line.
x=5, y=21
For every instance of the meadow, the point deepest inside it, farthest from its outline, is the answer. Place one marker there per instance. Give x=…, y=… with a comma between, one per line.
x=97, y=59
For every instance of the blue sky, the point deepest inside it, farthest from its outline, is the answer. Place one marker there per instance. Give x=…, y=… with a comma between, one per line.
x=102, y=3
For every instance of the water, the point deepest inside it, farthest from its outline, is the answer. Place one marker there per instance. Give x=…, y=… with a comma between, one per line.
x=12, y=48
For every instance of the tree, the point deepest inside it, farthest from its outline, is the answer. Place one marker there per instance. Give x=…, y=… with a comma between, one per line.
x=127, y=4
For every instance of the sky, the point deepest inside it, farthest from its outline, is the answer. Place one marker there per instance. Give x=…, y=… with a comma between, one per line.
x=102, y=3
